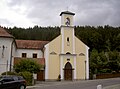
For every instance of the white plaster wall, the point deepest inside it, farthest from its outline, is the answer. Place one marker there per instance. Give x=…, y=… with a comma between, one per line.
x=14, y=51
x=87, y=63
x=29, y=53
x=7, y=42
x=7, y=53
x=46, y=55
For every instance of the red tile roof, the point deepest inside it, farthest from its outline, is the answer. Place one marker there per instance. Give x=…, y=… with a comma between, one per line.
x=4, y=33
x=40, y=61
x=30, y=44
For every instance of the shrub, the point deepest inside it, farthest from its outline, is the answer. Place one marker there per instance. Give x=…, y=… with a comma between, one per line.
x=9, y=73
x=27, y=65
x=27, y=76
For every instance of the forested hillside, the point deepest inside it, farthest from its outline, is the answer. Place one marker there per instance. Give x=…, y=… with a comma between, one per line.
x=35, y=33
x=100, y=38
x=104, y=43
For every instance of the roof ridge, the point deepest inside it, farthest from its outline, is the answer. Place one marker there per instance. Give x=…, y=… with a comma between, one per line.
x=30, y=44
x=31, y=40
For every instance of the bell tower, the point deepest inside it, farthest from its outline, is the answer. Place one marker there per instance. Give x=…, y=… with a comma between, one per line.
x=67, y=54
x=67, y=18
x=67, y=32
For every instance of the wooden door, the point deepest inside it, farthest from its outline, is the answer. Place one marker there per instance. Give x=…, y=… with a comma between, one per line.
x=68, y=71
x=41, y=75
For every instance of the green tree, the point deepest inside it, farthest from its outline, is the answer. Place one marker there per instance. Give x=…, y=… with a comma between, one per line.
x=27, y=65
x=114, y=61
x=114, y=66
x=93, y=61
x=98, y=62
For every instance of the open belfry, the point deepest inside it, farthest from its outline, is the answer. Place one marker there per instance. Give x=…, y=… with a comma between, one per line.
x=65, y=57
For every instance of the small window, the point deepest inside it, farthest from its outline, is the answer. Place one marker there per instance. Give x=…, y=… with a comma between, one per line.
x=68, y=59
x=34, y=55
x=67, y=39
x=24, y=55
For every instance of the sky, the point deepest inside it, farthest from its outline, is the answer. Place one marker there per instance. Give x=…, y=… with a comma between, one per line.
x=28, y=13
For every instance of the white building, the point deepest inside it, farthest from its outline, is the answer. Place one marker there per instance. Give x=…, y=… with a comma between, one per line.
x=7, y=48
x=12, y=50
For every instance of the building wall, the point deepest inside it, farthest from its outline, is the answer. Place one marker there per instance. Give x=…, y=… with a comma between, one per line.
x=7, y=53
x=77, y=58
x=52, y=59
x=80, y=59
x=29, y=53
x=65, y=60
x=14, y=50
x=57, y=61
x=68, y=46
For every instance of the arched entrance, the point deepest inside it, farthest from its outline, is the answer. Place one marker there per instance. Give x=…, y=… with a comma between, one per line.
x=68, y=71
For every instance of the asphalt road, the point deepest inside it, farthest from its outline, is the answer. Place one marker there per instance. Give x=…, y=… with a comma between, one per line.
x=83, y=84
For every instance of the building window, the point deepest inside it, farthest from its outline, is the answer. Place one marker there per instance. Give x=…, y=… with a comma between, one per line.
x=24, y=55
x=67, y=21
x=68, y=41
x=34, y=55
x=3, y=51
x=68, y=59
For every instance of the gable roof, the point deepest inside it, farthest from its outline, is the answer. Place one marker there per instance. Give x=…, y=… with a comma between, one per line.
x=67, y=12
x=4, y=33
x=30, y=44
